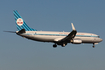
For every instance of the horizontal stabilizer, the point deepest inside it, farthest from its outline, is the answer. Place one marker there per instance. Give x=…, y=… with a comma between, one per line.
x=10, y=31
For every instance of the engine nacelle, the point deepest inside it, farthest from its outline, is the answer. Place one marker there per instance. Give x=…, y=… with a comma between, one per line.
x=77, y=41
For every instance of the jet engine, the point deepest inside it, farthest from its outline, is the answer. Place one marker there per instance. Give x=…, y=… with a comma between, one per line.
x=76, y=41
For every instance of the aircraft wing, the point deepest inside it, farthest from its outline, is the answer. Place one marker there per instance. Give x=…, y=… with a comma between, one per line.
x=70, y=36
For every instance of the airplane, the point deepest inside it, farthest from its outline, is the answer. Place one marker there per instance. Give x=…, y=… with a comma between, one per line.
x=58, y=38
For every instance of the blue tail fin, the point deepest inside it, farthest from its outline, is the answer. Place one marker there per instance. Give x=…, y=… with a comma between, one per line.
x=20, y=23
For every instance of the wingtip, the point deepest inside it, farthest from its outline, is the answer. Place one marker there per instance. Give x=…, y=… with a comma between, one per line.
x=73, y=26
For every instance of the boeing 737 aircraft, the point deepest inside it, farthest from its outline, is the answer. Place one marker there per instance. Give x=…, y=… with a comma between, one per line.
x=58, y=38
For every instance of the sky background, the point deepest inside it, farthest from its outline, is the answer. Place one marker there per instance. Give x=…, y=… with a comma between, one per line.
x=17, y=53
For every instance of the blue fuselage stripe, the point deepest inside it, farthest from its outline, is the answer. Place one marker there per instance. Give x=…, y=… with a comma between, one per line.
x=62, y=35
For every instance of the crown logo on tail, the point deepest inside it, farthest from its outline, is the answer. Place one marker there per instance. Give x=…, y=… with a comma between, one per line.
x=19, y=21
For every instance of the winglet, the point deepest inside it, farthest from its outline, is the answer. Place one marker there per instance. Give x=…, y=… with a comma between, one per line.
x=73, y=26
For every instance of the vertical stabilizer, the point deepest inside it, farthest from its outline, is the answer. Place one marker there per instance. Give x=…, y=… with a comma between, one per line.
x=20, y=23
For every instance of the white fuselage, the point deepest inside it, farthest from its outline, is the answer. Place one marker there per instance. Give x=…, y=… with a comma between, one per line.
x=46, y=36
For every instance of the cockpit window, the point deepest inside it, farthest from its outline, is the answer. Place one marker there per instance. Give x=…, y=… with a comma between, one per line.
x=98, y=36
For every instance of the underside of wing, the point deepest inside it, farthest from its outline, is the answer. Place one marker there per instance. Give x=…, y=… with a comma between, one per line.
x=69, y=37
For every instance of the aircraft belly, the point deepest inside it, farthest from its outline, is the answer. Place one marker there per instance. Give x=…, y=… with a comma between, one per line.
x=43, y=38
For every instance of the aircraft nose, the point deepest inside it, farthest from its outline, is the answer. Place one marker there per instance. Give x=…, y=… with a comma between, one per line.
x=101, y=40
